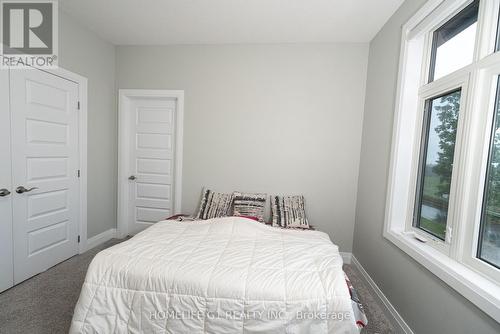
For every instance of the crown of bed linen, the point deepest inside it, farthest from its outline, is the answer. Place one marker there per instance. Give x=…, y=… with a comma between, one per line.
x=286, y=211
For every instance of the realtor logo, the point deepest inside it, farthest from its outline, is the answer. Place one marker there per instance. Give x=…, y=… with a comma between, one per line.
x=29, y=33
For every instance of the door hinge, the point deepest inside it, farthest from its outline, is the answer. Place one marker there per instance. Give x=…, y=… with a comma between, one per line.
x=78, y=173
x=78, y=105
x=78, y=239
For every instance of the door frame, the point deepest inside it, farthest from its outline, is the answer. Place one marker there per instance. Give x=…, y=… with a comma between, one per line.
x=125, y=96
x=82, y=83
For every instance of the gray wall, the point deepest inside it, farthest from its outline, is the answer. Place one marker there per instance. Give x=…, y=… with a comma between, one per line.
x=82, y=52
x=425, y=302
x=266, y=118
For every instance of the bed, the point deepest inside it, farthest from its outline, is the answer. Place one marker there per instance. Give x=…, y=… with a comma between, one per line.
x=225, y=275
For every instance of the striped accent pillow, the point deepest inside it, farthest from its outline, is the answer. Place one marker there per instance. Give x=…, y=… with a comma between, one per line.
x=249, y=205
x=289, y=212
x=214, y=204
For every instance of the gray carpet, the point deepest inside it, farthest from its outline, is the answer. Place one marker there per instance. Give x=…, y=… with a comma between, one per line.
x=44, y=304
x=378, y=319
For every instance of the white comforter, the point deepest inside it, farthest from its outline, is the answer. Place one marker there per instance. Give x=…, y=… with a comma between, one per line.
x=229, y=275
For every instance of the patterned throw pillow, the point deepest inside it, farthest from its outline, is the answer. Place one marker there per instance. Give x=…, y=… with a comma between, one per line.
x=289, y=212
x=214, y=204
x=249, y=205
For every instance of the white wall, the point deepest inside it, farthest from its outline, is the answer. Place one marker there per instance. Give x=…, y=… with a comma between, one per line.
x=425, y=302
x=82, y=52
x=266, y=118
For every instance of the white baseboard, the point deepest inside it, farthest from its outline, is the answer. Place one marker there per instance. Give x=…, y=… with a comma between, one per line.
x=101, y=238
x=346, y=257
x=398, y=319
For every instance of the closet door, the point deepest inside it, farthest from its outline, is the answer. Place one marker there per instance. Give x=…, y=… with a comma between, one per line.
x=44, y=118
x=6, y=266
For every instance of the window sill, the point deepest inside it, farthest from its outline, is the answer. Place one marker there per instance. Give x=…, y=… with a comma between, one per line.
x=479, y=290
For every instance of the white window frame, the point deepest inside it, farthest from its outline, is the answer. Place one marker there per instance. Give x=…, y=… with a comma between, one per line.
x=479, y=151
x=453, y=260
x=430, y=91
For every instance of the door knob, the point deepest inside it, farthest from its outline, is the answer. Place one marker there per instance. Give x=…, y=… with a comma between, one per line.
x=21, y=189
x=132, y=177
x=4, y=192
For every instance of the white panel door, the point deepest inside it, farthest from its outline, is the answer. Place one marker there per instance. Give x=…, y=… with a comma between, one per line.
x=6, y=266
x=152, y=143
x=45, y=160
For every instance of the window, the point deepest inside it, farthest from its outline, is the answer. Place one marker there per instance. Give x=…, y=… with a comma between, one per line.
x=437, y=153
x=489, y=242
x=443, y=198
x=497, y=40
x=453, y=43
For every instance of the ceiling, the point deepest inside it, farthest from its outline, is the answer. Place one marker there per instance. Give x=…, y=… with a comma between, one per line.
x=163, y=22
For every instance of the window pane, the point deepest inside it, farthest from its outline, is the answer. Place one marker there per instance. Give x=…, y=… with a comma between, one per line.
x=489, y=243
x=436, y=163
x=453, y=43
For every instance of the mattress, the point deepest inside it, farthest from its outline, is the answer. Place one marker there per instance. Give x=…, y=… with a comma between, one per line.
x=225, y=275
